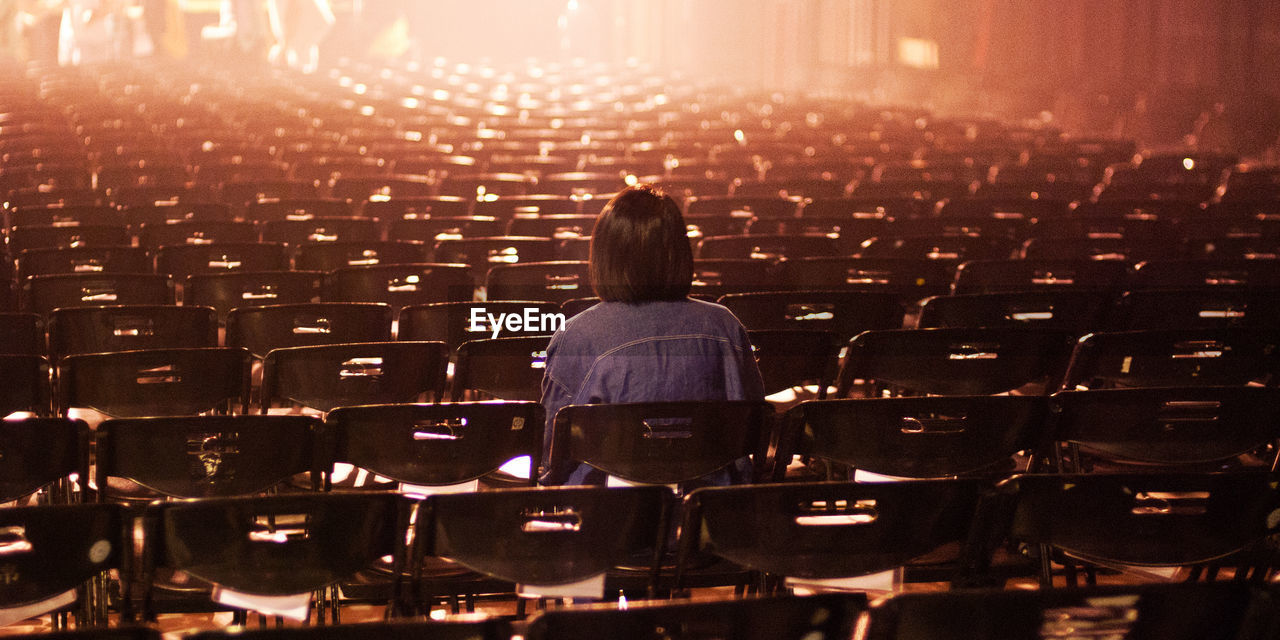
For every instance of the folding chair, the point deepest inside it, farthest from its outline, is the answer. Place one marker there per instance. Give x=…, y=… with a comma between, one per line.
x=181, y=261
x=1077, y=312
x=504, y=368
x=123, y=259
x=227, y=291
x=844, y=313
x=327, y=256
x=76, y=330
x=323, y=377
x=43, y=294
x=263, y=328
x=545, y=281
x=1200, y=307
x=1229, y=356
x=457, y=322
x=994, y=276
x=156, y=382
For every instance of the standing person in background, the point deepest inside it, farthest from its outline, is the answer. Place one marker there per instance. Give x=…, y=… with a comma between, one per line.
x=646, y=341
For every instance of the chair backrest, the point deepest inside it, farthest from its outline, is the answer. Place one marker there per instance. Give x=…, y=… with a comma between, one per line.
x=483, y=253
x=327, y=256
x=789, y=358
x=1145, y=519
x=846, y=313
x=826, y=530
x=1199, y=307
x=37, y=452
x=156, y=382
x=505, y=368
x=1168, y=426
x=275, y=545
x=21, y=333
x=768, y=247
x=1217, y=611
x=43, y=294
x=184, y=260
x=1173, y=274
x=1075, y=311
x=661, y=442
x=716, y=277
x=546, y=281
x=321, y=229
x=1175, y=357
x=488, y=629
x=910, y=278
x=918, y=437
x=38, y=237
x=545, y=536
x=400, y=285
x=436, y=444
x=53, y=549
x=298, y=209
x=26, y=384
x=205, y=456
x=263, y=328
x=226, y=291
x=992, y=276
x=122, y=259
x=457, y=322
x=126, y=328
x=956, y=361
x=752, y=618
x=327, y=376
x=429, y=230
x=153, y=236
x=947, y=249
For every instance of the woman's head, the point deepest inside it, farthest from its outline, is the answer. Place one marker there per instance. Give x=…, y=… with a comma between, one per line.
x=640, y=248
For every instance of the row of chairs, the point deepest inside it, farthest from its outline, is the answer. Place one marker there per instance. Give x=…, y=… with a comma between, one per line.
x=551, y=540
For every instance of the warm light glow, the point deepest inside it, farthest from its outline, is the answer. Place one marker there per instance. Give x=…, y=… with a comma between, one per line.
x=919, y=53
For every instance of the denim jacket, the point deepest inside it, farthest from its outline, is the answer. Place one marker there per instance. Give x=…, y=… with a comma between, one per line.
x=662, y=351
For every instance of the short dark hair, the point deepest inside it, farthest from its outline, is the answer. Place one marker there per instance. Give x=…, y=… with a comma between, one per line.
x=640, y=248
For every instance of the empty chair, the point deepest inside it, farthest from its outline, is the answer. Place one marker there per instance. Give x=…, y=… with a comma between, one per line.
x=286, y=545
x=322, y=377
x=263, y=328
x=713, y=278
x=792, y=358
x=43, y=294
x=546, y=538
x=478, y=185
x=457, y=322
x=1148, y=522
x=1103, y=248
x=430, y=230
x=546, y=281
x=743, y=206
x=488, y=629
x=400, y=285
x=21, y=333
x=1199, y=307
x=917, y=437
x=204, y=456
x=910, y=279
x=226, y=291
x=949, y=249
x=38, y=262
x=1229, y=356
x=826, y=531
x=45, y=455
x=508, y=368
x=180, y=261
x=1172, y=274
x=993, y=276
x=321, y=229
x=773, y=618
x=416, y=208
x=66, y=216
x=768, y=247
x=1191, y=427
x=26, y=385
x=580, y=182
x=76, y=330
x=436, y=444
x=661, y=442
x=844, y=313
x=156, y=382
x=360, y=188
x=42, y=237
x=327, y=256
x=955, y=361
x=1074, y=311
x=165, y=234
x=506, y=207
x=297, y=209
x=552, y=226
x=483, y=253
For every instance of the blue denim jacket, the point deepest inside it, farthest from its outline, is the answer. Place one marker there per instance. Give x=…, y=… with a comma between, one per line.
x=662, y=351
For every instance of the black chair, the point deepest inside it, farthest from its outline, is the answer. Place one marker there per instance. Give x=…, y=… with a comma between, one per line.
x=768, y=247
x=823, y=531
x=21, y=333
x=438, y=444
x=457, y=322
x=1175, y=274
x=544, y=538
x=743, y=206
x=772, y=618
x=180, y=261
x=51, y=236
x=45, y=455
x=1200, y=307
x=430, y=230
x=323, y=377
x=917, y=437
x=1075, y=311
x=327, y=256
x=56, y=555
x=1217, y=611
x=297, y=232
x=950, y=250
x=1205, y=428
x=67, y=216
x=955, y=361
x=76, y=330
x=1148, y=521
x=483, y=253
x=661, y=442
x=545, y=281
x=43, y=294
x=26, y=385
x=203, y=456
x=909, y=279
x=263, y=328
x=123, y=259
x=552, y=226
x=416, y=208
x=505, y=368
x=490, y=629
x=713, y=278
x=1175, y=357
x=272, y=545
x=102, y=633
x=167, y=234
x=790, y=358
x=844, y=313
x=156, y=382
x=226, y=291
x=993, y=276
x=298, y=209
x=400, y=285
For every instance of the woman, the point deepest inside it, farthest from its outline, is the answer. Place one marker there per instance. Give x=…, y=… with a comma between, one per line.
x=646, y=341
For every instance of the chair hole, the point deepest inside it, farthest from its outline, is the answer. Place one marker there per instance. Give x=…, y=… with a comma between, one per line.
x=549, y=520
x=311, y=326
x=836, y=513
x=163, y=374
x=804, y=312
x=133, y=326
x=1198, y=349
x=933, y=423
x=280, y=528
x=667, y=428
x=369, y=367
x=445, y=429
